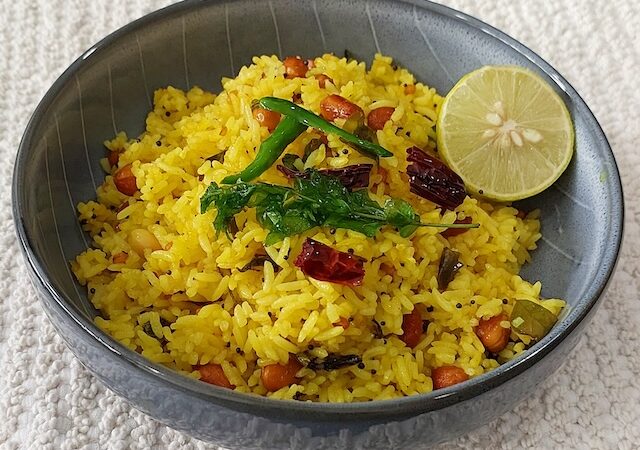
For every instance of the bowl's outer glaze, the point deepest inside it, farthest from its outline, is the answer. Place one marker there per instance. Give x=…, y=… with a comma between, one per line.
x=110, y=89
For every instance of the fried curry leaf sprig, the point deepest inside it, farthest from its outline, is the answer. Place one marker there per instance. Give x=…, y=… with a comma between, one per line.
x=314, y=200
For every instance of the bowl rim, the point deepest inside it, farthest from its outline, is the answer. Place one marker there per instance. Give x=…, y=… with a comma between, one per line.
x=414, y=404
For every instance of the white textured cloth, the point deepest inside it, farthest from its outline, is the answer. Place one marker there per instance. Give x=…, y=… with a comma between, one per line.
x=48, y=400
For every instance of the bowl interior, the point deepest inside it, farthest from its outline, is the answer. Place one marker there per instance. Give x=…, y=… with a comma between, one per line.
x=110, y=88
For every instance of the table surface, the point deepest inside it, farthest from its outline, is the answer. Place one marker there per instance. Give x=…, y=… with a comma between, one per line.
x=48, y=400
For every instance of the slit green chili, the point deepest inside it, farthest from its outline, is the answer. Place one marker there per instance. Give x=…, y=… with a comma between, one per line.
x=309, y=119
x=270, y=150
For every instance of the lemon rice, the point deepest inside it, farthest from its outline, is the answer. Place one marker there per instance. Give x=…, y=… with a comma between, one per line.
x=190, y=296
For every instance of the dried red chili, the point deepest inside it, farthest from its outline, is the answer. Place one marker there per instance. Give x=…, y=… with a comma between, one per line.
x=450, y=232
x=351, y=177
x=430, y=178
x=324, y=263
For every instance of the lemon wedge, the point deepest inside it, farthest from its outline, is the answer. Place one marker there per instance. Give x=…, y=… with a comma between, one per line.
x=506, y=132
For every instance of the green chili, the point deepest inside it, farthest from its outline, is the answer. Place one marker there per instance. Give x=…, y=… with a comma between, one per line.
x=290, y=109
x=270, y=150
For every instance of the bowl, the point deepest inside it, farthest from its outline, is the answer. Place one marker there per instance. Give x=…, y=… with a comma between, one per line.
x=196, y=43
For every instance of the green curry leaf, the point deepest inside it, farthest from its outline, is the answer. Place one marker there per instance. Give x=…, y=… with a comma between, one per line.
x=314, y=200
x=532, y=319
x=228, y=201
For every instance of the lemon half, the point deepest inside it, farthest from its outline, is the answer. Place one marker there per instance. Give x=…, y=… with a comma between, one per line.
x=506, y=132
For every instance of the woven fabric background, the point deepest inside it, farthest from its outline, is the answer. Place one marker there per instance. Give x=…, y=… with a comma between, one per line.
x=49, y=401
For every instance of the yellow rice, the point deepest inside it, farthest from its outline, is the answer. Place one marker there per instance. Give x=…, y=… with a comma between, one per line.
x=189, y=304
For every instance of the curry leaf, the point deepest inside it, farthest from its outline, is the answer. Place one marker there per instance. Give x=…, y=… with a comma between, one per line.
x=448, y=267
x=316, y=199
x=532, y=319
x=228, y=201
x=289, y=161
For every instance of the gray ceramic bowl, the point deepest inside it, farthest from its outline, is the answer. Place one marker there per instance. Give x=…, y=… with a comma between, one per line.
x=198, y=42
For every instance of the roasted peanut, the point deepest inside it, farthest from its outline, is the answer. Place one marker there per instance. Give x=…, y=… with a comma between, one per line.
x=446, y=376
x=379, y=116
x=277, y=376
x=113, y=158
x=213, y=374
x=294, y=67
x=125, y=181
x=141, y=239
x=322, y=80
x=120, y=258
x=343, y=322
x=492, y=334
x=336, y=107
x=412, y=328
x=266, y=118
